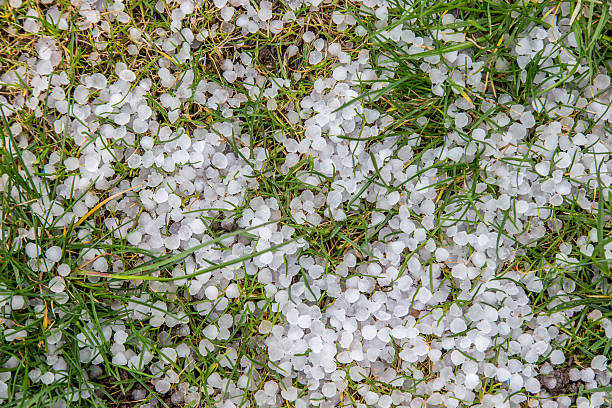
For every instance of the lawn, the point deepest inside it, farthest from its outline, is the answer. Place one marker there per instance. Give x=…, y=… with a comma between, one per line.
x=305, y=203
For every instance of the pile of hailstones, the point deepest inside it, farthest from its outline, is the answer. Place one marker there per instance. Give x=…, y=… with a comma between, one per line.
x=387, y=321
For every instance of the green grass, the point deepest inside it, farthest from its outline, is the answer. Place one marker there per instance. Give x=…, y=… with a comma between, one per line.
x=491, y=27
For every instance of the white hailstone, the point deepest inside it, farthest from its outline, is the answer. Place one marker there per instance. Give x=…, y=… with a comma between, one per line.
x=265, y=11
x=57, y=284
x=63, y=269
x=369, y=332
x=135, y=160
x=167, y=79
x=602, y=82
x=314, y=57
x=183, y=350
x=460, y=271
x=119, y=359
x=219, y=160
x=593, y=235
x=71, y=163
x=461, y=120
x=312, y=131
x=308, y=36
x=532, y=385
x=516, y=382
x=220, y=3
x=197, y=226
x=261, y=398
x=292, y=50
x=13, y=334
x=271, y=104
x=471, y=381
x=337, y=17
x=194, y=287
x=210, y=332
x=458, y=325
x=479, y=259
x=315, y=271
x=252, y=27
x=436, y=76
x=123, y=17
x=147, y=142
x=162, y=386
x=232, y=291
x=32, y=250
x=503, y=374
x=574, y=374
x=227, y=13
x=385, y=401
x=319, y=44
x=403, y=332
x=160, y=196
x=132, y=49
x=587, y=375
x=54, y=253
x=230, y=76
x=120, y=336
x=34, y=374
x=168, y=354
x=340, y=74
x=187, y=7
x=134, y=237
x=17, y=302
x=91, y=163
x=351, y=295
x=290, y=394
x=371, y=398
x=304, y=321
x=205, y=347
x=100, y=264
x=276, y=26
x=441, y=254
x=32, y=25
x=334, y=49
x=599, y=362
x=44, y=67
x=144, y=112
x=329, y=390
x=47, y=378
x=127, y=75
x=81, y=94
x=587, y=249
x=270, y=388
x=121, y=119
x=542, y=168
x=98, y=81
x=334, y=198
x=265, y=327
x=482, y=343
x=211, y=292
x=557, y=357
x=266, y=258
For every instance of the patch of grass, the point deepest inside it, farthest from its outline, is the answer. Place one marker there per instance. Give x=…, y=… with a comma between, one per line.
x=57, y=326
x=493, y=28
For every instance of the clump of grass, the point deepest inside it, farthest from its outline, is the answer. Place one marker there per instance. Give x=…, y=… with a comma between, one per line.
x=418, y=119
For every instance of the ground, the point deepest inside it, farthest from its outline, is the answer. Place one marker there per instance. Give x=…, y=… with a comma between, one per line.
x=69, y=323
